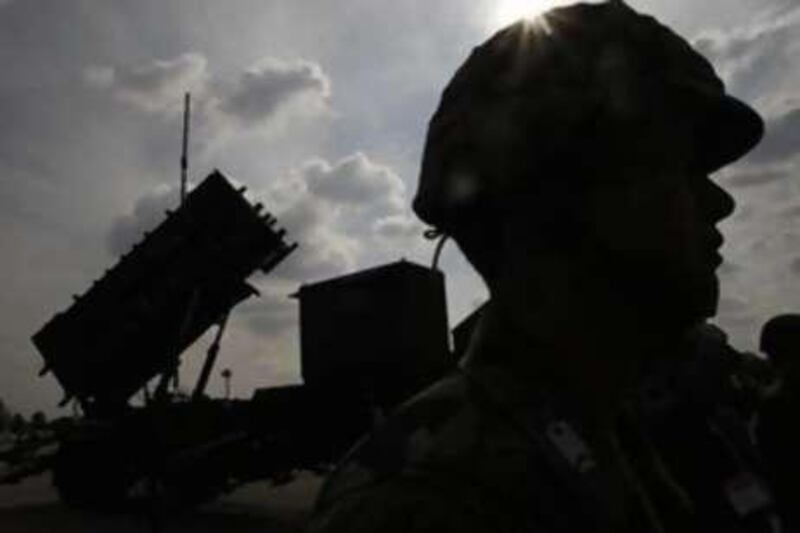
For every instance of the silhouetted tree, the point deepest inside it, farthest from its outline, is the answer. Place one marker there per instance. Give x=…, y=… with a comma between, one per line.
x=39, y=420
x=18, y=424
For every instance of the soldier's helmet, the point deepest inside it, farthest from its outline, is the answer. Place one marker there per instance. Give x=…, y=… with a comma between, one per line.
x=556, y=90
x=780, y=339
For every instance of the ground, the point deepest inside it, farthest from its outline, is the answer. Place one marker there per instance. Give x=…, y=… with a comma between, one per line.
x=33, y=507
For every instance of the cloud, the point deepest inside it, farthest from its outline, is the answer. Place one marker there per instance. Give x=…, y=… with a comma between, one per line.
x=777, y=243
x=273, y=312
x=155, y=86
x=99, y=77
x=265, y=97
x=355, y=181
x=343, y=214
x=755, y=177
x=792, y=212
x=325, y=250
x=398, y=227
x=782, y=139
x=737, y=316
x=757, y=60
x=148, y=212
x=272, y=85
x=727, y=268
x=346, y=214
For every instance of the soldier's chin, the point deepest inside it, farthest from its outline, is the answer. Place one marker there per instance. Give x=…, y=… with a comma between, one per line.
x=671, y=295
x=671, y=301
x=708, y=299
x=686, y=304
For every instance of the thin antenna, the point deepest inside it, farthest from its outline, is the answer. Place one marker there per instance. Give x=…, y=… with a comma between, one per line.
x=187, y=105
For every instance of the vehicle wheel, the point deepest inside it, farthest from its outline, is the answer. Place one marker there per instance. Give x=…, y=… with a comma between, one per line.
x=89, y=475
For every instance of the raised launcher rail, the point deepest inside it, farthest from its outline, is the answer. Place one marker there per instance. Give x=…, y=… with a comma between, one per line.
x=184, y=277
x=369, y=340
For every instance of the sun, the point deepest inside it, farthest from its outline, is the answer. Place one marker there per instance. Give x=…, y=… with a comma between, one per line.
x=507, y=11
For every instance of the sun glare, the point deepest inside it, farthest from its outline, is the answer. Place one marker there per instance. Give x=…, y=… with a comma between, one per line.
x=507, y=11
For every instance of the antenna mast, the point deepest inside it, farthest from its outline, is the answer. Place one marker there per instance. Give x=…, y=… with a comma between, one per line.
x=185, y=151
x=187, y=107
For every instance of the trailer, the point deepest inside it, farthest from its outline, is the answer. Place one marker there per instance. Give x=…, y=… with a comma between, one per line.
x=369, y=340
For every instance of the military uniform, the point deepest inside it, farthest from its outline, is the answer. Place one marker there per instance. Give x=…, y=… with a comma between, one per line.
x=482, y=451
x=567, y=102
x=778, y=438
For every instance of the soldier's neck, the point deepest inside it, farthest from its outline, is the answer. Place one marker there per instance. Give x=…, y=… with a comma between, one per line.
x=575, y=337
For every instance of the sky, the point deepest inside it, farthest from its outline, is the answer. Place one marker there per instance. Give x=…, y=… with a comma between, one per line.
x=320, y=109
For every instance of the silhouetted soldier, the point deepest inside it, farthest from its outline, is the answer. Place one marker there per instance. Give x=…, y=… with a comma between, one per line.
x=569, y=159
x=778, y=427
x=780, y=342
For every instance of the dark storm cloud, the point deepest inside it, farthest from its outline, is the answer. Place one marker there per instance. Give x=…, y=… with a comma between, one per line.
x=272, y=84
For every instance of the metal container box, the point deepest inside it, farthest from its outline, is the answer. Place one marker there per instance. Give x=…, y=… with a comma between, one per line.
x=382, y=331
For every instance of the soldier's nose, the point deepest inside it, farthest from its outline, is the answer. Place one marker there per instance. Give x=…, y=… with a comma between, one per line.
x=715, y=201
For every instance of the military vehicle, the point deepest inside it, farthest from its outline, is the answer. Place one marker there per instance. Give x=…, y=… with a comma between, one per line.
x=368, y=340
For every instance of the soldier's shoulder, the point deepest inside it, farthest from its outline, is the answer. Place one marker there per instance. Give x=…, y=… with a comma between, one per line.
x=405, y=439
x=403, y=505
x=443, y=455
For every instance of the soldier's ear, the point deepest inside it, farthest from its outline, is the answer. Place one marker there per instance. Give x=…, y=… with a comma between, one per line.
x=552, y=216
